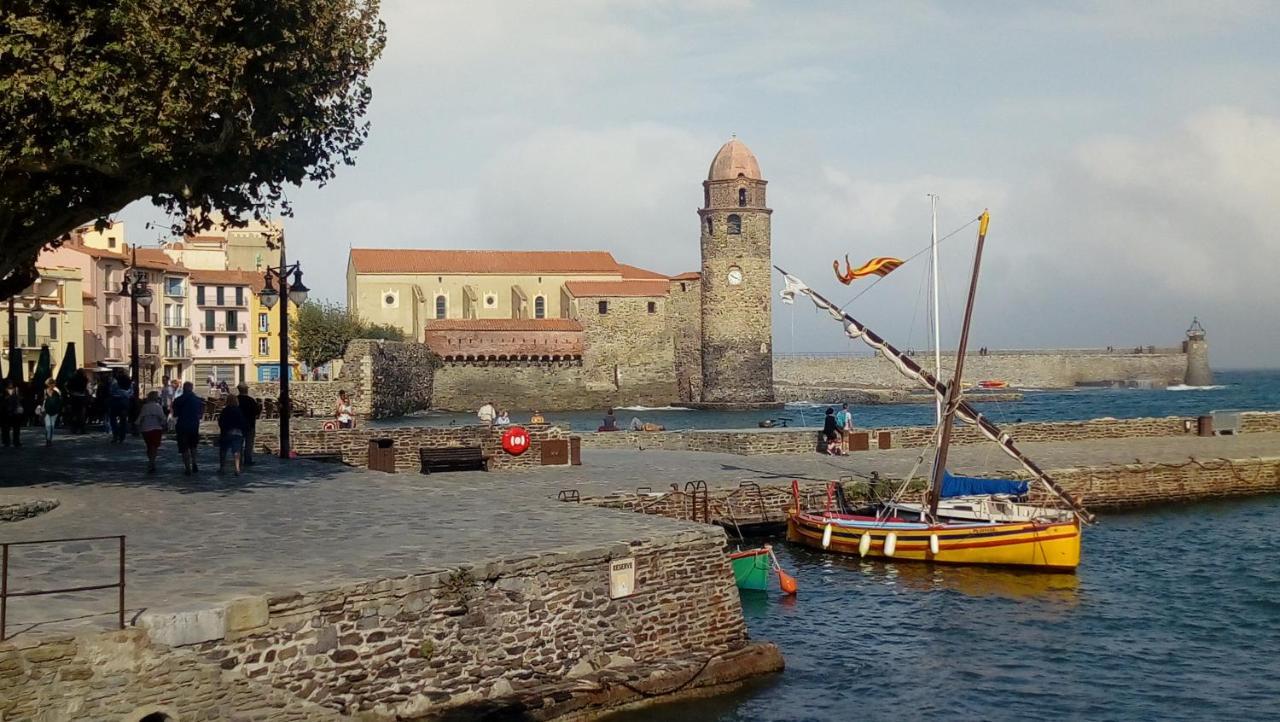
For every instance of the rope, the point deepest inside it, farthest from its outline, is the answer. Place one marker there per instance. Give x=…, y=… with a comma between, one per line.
x=905, y=261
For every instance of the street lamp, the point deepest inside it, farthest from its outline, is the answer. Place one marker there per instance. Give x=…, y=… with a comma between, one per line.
x=295, y=292
x=135, y=288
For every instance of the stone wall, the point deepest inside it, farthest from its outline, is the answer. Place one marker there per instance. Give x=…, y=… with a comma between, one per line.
x=498, y=633
x=1145, y=484
x=543, y=385
x=752, y=442
x=17, y=511
x=1024, y=370
x=353, y=444
x=628, y=350
x=685, y=310
x=124, y=676
x=383, y=378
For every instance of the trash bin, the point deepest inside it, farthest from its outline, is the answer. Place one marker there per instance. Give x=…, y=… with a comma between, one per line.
x=884, y=440
x=575, y=450
x=382, y=455
x=1205, y=426
x=555, y=452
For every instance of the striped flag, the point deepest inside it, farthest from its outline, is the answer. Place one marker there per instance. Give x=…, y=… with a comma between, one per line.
x=881, y=266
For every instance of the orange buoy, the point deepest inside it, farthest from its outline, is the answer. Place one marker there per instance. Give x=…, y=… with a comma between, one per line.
x=787, y=582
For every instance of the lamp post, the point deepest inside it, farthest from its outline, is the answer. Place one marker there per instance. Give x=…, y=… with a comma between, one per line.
x=296, y=292
x=135, y=288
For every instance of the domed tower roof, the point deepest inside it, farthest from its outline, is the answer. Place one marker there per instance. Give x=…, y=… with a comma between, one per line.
x=732, y=160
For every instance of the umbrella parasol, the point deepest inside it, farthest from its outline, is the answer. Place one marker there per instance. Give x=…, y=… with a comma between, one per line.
x=68, y=368
x=44, y=369
x=15, y=366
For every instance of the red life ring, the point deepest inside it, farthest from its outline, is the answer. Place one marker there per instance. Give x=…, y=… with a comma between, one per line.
x=515, y=441
x=329, y=425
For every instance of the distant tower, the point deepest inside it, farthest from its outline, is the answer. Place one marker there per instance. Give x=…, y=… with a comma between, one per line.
x=1198, y=373
x=737, y=308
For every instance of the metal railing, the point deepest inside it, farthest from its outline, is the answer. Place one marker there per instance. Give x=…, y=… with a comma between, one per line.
x=177, y=353
x=5, y=594
x=111, y=319
x=224, y=328
x=29, y=341
x=171, y=322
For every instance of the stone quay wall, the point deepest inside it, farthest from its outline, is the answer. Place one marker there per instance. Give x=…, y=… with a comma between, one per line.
x=124, y=676
x=750, y=503
x=353, y=444
x=1049, y=369
x=1147, y=484
x=383, y=379
x=496, y=633
x=543, y=385
x=752, y=442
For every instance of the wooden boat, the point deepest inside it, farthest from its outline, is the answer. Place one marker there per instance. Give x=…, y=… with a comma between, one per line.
x=993, y=384
x=751, y=568
x=1047, y=545
x=1047, y=538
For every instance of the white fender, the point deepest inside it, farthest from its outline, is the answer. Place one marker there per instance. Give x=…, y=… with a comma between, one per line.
x=891, y=543
x=933, y=544
x=826, y=537
x=864, y=544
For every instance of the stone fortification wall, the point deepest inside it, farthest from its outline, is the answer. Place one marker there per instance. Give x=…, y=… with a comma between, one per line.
x=1145, y=484
x=544, y=385
x=353, y=444
x=383, y=378
x=498, y=633
x=685, y=309
x=629, y=347
x=123, y=676
x=752, y=442
x=1047, y=369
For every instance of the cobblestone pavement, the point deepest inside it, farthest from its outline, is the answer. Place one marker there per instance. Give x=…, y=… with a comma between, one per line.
x=282, y=526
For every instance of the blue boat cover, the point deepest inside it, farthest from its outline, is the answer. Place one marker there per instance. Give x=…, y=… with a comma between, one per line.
x=974, y=486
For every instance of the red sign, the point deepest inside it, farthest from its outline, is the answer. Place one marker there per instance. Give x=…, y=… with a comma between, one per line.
x=515, y=441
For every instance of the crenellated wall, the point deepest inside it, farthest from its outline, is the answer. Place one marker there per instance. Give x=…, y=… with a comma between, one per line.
x=383, y=379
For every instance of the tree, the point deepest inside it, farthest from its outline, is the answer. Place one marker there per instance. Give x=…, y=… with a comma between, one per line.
x=203, y=105
x=384, y=331
x=321, y=332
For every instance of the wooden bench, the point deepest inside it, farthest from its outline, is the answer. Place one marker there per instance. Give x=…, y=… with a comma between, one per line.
x=453, y=458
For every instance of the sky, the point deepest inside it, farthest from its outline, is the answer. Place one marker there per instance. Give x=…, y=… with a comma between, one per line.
x=1129, y=153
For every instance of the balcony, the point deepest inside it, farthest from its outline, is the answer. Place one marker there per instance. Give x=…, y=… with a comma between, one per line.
x=177, y=353
x=111, y=319
x=229, y=301
x=113, y=353
x=179, y=323
x=35, y=342
x=225, y=328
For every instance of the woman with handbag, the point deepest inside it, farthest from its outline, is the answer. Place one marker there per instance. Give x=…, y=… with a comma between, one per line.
x=51, y=407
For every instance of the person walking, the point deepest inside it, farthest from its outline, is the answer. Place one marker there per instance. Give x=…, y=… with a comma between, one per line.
x=251, y=410
x=11, y=415
x=167, y=389
x=188, y=410
x=231, y=440
x=118, y=406
x=152, y=421
x=77, y=402
x=51, y=407
x=844, y=423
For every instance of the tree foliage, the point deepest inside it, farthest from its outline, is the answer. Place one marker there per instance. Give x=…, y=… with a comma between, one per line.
x=322, y=330
x=203, y=105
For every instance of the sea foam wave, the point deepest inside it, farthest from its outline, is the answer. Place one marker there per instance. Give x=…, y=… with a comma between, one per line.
x=653, y=408
x=1184, y=387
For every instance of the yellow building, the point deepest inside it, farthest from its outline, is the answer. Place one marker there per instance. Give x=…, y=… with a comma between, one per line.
x=49, y=313
x=406, y=288
x=266, y=339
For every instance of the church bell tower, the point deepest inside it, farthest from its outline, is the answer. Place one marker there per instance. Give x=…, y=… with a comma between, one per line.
x=737, y=303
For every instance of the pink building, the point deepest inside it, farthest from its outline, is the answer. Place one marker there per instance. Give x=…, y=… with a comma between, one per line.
x=220, y=324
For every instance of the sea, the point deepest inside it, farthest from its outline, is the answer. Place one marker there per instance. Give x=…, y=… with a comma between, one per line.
x=1251, y=390
x=1174, y=614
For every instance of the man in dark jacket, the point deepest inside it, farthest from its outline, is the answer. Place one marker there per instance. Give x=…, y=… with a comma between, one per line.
x=11, y=415
x=188, y=410
x=251, y=410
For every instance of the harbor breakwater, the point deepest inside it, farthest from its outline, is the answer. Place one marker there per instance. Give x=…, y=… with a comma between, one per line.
x=1047, y=369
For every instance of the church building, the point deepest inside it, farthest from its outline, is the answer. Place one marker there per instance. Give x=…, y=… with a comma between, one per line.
x=581, y=325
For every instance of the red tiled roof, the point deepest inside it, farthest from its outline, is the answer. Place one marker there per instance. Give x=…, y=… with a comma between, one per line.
x=582, y=289
x=156, y=259
x=689, y=276
x=397, y=260
x=228, y=278
x=503, y=324
x=629, y=271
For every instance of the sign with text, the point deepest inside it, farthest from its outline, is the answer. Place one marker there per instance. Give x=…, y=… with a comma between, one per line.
x=622, y=578
x=515, y=441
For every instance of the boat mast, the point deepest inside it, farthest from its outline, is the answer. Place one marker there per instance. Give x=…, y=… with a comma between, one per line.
x=937, y=321
x=953, y=389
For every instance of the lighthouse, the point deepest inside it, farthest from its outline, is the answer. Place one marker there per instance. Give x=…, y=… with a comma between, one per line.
x=1198, y=373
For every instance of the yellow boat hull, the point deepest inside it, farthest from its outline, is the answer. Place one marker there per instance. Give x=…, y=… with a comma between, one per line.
x=1051, y=546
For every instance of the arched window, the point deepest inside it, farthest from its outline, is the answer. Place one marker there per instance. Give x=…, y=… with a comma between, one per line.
x=539, y=307
x=734, y=222
x=442, y=306
x=742, y=197
x=711, y=226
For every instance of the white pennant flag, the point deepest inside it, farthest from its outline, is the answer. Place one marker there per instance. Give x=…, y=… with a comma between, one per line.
x=794, y=286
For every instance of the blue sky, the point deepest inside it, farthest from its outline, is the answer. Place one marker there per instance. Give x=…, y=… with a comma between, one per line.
x=1129, y=152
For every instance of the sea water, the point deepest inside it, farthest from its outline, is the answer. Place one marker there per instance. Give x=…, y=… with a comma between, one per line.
x=1240, y=390
x=1174, y=614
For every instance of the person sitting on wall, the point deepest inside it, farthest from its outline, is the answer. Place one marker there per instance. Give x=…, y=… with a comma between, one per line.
x=830, y=430
x=610, y=422
x=537, y=418
x=344, y=412
x=487, y=413
x=504, y=419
